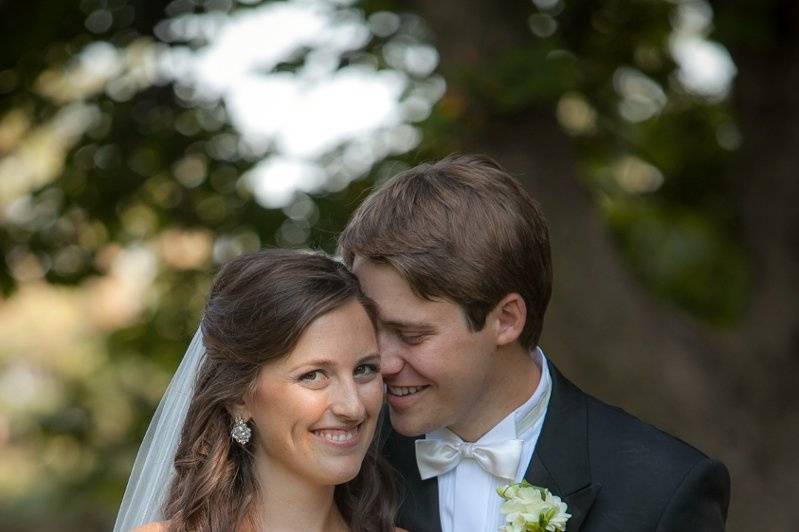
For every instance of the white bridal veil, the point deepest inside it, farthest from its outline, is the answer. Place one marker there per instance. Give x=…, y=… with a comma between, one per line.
x=153, y=468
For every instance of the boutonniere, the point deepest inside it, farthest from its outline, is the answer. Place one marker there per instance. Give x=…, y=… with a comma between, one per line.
x=528, y=508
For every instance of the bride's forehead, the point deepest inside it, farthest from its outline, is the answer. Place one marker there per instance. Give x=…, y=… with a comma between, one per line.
x=348, y=325
x=326, y=356
x=332, y=355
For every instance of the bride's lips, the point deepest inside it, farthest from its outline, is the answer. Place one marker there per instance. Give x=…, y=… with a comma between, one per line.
x=340, y=437
x=404, y=396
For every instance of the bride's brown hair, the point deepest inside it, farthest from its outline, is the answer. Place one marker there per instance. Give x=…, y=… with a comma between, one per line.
x=258, y=308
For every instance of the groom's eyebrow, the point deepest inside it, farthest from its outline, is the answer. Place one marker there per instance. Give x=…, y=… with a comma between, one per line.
x=403, y=324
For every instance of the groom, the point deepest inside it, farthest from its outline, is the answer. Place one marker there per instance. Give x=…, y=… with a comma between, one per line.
x=456, y=256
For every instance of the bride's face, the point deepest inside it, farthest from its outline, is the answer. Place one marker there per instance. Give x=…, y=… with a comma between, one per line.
x=315, y=411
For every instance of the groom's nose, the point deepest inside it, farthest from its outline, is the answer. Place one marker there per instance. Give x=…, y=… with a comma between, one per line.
x=391, y=361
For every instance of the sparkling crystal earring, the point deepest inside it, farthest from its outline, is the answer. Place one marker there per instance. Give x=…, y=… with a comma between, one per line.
x=240, y=432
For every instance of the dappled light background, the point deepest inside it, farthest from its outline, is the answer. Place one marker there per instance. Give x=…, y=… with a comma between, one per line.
x=144, y=143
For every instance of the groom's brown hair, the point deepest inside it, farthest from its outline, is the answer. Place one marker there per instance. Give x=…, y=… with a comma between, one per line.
x=463, y=229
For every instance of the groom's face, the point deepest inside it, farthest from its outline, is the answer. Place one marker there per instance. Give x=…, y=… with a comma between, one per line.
x=434, y=366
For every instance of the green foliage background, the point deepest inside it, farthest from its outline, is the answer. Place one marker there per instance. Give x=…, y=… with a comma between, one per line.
x=66, y=455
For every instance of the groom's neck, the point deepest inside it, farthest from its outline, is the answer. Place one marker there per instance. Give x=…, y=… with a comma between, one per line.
x=513, y=378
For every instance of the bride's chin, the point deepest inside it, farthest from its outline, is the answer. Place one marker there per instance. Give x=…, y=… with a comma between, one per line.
x=341, y=473
x=343, y=479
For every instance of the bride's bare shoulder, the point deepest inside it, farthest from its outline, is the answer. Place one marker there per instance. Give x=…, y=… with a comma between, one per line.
x=152, y=527
x=398, y=529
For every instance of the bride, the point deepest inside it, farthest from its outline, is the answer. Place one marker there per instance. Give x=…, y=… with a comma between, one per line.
x=278, y=398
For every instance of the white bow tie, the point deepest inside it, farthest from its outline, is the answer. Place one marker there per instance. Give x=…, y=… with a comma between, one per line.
x=436, y=457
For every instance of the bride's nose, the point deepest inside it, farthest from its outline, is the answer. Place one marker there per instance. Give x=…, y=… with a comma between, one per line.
x=346, y=401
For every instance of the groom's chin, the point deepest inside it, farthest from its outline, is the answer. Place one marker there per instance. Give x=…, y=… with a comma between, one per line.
x=407, y=424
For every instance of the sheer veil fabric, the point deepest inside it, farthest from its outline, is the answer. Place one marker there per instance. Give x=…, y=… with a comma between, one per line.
x=153, y=469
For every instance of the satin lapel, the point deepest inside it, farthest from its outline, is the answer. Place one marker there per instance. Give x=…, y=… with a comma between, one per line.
x=424, y=501
x=560, y=461
x=419, y=505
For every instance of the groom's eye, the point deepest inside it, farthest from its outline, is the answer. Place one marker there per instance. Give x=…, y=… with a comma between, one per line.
x=411, y=339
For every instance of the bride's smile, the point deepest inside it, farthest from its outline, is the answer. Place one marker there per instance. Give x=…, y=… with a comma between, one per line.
x=344, y=437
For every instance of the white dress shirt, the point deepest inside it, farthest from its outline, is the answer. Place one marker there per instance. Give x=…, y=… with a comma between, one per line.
x=467, y=495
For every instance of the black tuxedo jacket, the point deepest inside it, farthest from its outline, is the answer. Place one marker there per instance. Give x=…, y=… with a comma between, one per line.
x=613, y=471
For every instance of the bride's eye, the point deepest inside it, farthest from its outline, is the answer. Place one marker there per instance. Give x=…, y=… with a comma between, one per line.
x=312, y=377
x=367, y=370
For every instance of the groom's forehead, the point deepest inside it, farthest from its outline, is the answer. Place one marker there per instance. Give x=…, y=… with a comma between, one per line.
x=396, y=301
x=384, y=283
x=396, y=313
x=420, y=316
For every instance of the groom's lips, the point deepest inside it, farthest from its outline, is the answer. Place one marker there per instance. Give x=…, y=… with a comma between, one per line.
x=403, y=396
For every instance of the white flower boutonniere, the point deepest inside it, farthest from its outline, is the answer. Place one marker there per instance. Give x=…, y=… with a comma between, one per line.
x=528, y=508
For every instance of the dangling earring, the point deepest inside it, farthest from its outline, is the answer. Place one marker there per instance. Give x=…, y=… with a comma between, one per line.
x=241, y=432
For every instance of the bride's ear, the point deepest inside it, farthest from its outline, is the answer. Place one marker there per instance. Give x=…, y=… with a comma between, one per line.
x=239, y=409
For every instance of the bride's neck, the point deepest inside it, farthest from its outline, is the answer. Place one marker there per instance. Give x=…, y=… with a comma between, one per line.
x=290, y=502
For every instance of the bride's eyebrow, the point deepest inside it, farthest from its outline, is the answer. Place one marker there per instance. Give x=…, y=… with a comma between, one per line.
x=317, y=363
x=327, y=363
x=374, y=357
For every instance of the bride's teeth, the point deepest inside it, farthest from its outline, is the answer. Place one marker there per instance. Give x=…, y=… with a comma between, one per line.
x=337, y=436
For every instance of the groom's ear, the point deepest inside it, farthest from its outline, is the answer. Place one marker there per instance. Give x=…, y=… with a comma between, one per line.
x=509, y=316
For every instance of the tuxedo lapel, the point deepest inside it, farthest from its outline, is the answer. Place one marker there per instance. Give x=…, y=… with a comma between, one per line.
x=423, y=499
x=560, y=461
x=419, y=504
